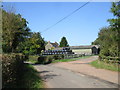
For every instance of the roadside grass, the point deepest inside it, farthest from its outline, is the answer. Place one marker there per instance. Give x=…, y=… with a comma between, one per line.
x=68, y=60
x=104, y=65
x=30, y=78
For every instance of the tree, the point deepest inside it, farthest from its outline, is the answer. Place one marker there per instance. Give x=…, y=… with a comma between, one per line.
x=14, y=31
x=33, y=45
x=17, y=36
x=63, y=42
x=115, y=23
x=115, y=9
x=108, y=37
x=106, y=41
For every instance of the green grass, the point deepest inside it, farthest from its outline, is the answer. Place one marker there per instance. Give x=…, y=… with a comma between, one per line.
x=68, y=60
x=30, y=78
x=103, y=65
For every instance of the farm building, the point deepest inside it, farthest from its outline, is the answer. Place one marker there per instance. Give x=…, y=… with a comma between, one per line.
x=50, y=46
x=83, y=49
x=95, y=50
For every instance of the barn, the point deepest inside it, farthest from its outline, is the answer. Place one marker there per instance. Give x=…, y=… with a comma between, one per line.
x=82, y=49
x=86, y=49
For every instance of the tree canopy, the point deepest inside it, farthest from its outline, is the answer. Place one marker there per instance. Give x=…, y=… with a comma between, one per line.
x=17, y=36
x=33, y=45
x=14, y=30
x=109, y=37
x=63, y=42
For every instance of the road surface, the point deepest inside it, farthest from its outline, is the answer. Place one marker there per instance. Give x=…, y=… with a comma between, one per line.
x=56, y=77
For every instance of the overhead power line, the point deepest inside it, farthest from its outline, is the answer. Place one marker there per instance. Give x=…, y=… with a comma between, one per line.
x=65, y=17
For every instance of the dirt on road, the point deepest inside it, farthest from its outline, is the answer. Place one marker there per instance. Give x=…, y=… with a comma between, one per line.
x=82, y=66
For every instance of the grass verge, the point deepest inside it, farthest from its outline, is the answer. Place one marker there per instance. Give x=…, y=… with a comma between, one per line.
x=104, y=65
x=68, y=60
x=30, y=78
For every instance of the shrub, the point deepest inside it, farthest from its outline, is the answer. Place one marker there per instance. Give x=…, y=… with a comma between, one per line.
x=41, y=59
x=11, y=69
x=45, y=59
x=48, y=59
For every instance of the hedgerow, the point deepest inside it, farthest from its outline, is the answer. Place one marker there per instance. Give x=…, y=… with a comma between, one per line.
x=12, y=66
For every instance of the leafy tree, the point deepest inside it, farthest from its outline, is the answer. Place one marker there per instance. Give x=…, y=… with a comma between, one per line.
x=33, y=45
x=106, y=41
x=17, y=36
x=115, y=9
x=115, y=23
x=108, y=37
x=63, y=42
x=14, y=31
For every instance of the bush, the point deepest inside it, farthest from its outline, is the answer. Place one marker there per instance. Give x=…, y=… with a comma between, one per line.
x=48, y=59
x=41, y=59
x=11, y=69
x=45, y=59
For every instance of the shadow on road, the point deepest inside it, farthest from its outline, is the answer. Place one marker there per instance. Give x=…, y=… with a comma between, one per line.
x=48, y=76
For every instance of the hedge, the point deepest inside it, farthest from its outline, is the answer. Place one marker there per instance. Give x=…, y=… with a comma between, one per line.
x=12, y=65
x=45, y=59
x=48, y=59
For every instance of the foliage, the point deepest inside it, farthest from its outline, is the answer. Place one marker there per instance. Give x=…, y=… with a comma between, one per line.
x=41, y=59
x=12, y=66
x=45, y=59
x=115, y=9
x=33, y=45
x=108, y=37
x=16, y=74
x=105, y=38
x=14, y=31
x=63, y=42
x=17, y=36
x=48, y=59
x=115, y=22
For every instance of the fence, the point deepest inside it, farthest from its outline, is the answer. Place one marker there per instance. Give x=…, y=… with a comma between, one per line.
x=110, y=59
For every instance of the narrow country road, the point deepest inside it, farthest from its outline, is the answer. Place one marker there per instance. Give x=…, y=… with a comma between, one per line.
x=57, y=77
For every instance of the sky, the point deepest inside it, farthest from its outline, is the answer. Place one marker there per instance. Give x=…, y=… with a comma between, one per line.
x=81, y=28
